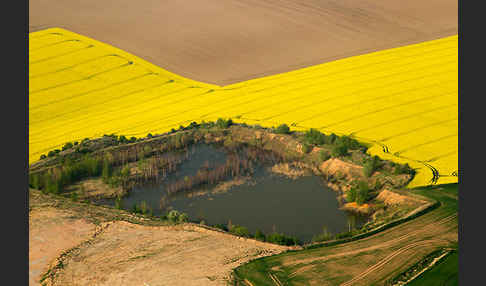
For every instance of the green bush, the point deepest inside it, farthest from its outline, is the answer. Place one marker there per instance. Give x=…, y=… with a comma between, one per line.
x=324, y=155
x=339, y=150
x=306, y=148
x=350, y=143
x=259, y=235
x=351, y=195
x=66, y=146
x=173, y=215
x=332, y=138
x=368, y=169
x=135, y=208
x=144, y=207
x=221, y=226
x=403, y=169
x=313, y=136
x=325, y=235
x=74, y=196
x=183, y=217
x=362, y=193
x=222, y=123
x=240, y=230
x=119, y=203
x=106, y=171
x=282, y=129
x=282, y=239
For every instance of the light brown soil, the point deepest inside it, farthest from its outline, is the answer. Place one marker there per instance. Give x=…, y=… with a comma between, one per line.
x=95, y=188
x=52, y=231
x=392, y=198
x=229, y=41
x=128, y=254
x=101, y=248
x=335, y=167
x=292, y=170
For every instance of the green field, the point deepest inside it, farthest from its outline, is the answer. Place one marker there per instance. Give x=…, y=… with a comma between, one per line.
x=445, y=273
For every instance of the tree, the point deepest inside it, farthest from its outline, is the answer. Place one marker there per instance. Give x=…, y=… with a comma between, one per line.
x=313, y=136
x=351, y=195
x=66, y=146
x=118, y=203
x=125, y=172
x=282, y=129
x=183, y=217
x=324, y=155
x=123, y=139
x=362, y=193
x=107, y=170
x=306, y=148
x=144, y=207
x=368, y=169
x=240, y=231
x=173, y=215
x=222, y=124
x=339, y=150
x=259, y=235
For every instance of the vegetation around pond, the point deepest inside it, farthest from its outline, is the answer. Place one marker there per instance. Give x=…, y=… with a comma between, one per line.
x=121, y=163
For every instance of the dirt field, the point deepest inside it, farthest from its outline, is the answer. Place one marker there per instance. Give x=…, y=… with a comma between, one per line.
x=229, y=41
x=124, y=253
x=50, y=232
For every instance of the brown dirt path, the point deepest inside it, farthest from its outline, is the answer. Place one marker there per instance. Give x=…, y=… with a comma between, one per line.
x=229, y=41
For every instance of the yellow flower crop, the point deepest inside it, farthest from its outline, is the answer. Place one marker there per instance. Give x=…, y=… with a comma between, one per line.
x=402, y=100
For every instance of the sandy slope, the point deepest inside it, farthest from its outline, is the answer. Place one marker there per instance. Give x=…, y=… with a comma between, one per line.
x=228, y=41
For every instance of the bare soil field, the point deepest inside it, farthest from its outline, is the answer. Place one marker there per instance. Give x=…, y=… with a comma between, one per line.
x=224, y=42
x=50, y=232
x=128, y=253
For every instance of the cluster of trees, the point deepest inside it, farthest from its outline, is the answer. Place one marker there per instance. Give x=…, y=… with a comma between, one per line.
x=340, y=144
x=282, y=129
x=82, y=147
x=142, y=208
x=53, y=180
x=234, y=166
x=274, y=237
x=359, y=193
x=370, y=166
x=224, y=123
x=402, y=169
x=325, y=235
x=176, y=216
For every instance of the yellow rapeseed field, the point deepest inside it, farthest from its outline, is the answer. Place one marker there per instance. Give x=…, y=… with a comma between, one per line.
x=403, y=100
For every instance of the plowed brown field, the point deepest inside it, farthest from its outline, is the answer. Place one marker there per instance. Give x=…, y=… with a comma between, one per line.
x=224, y=42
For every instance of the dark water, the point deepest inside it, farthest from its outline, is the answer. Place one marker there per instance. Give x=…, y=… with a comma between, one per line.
x=270, y=202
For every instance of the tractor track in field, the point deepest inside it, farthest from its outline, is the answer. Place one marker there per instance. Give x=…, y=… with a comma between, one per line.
x=389, y=258
x=374, y=247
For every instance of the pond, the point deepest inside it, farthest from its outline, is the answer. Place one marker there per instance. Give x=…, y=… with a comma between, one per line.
x=264, y=201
